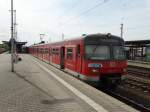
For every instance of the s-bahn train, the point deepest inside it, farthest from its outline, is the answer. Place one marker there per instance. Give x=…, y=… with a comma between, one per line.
x=94, y=58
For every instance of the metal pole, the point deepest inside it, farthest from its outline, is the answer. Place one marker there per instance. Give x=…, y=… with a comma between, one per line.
x=62, y=36
x=121, y=30
x=12, y=39
x=15, y=26
x=15, y=31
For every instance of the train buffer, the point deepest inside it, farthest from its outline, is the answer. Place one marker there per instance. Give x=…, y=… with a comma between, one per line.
x=38, y=87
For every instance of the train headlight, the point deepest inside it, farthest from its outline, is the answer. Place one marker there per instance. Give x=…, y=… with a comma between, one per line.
x=124, y=70
x=94, y=70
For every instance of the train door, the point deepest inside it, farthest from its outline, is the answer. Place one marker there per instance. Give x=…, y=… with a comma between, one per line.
x=62, y=57
x=78, y=59
x=49, y=54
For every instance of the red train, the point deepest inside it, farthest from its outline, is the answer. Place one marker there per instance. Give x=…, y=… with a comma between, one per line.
x=93, y=58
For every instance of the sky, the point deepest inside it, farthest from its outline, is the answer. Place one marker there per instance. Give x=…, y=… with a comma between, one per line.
x=74, y=18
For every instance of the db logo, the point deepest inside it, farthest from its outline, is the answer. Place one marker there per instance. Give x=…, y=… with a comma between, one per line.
x=112, y=64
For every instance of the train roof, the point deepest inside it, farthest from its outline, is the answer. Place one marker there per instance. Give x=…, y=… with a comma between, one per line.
x=84, y=37
x=109, y=35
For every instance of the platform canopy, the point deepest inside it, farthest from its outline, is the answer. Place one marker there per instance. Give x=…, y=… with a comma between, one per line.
x=18, y=44
x=137, y=49
x=137, y=43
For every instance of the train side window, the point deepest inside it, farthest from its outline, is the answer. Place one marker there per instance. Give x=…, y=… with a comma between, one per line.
x=45, y=50
x=78, y=50
x=41, y=50
x=69, y=53
x=55, y=51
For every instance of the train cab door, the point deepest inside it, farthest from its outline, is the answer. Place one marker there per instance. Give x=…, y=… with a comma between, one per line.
x=78, y=59
x=62, y=57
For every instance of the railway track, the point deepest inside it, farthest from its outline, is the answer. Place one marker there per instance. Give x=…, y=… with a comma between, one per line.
x=135, y=89
x=138, y=78
x=132, y=92
x=139, y=71
x=126, y=99
x=138, y=85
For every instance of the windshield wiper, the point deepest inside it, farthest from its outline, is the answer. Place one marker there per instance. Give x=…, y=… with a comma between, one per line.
x=93, y=52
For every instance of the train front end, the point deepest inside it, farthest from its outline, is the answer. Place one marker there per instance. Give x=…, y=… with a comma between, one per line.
x=105, y=59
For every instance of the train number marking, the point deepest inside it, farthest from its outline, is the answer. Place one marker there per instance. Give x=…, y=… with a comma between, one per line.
x=95, y=65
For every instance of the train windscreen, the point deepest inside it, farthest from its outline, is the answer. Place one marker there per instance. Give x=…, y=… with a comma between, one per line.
x=104, y=47
x=100, y=52
x=118, y=52
x=97, y=52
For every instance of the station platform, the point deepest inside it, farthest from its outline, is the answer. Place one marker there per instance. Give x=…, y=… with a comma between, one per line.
x=36, y=86
x=139, y=64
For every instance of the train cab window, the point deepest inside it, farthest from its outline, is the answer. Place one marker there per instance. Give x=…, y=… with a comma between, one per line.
x=69, y=53
x=119, y=53
x=97, y=52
